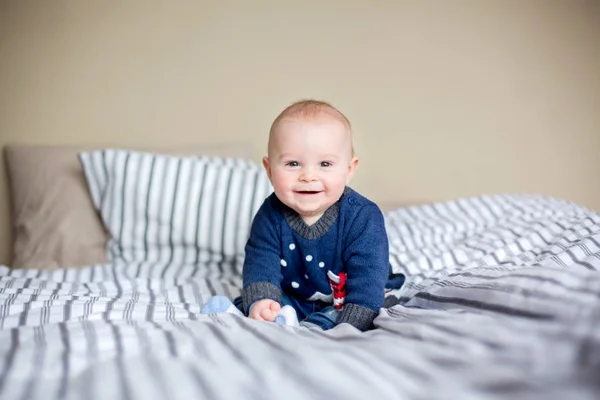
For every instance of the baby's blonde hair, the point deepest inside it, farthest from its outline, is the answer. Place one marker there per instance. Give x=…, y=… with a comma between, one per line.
x=309, y=109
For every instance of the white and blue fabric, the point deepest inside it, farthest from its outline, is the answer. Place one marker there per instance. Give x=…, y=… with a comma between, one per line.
x=502, y=300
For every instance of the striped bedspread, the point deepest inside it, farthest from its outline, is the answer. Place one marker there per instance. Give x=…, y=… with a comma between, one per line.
x=502, y=301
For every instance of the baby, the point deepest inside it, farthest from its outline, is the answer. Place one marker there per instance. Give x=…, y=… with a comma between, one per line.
x=316, y=246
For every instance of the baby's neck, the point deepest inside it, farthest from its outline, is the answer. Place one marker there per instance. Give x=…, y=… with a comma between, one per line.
x=310, y=220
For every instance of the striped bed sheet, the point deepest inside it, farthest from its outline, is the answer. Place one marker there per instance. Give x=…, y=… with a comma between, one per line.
x=502, y=301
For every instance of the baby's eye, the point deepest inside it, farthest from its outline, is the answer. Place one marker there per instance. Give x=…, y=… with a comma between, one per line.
x=292, y=164
x=325, y=164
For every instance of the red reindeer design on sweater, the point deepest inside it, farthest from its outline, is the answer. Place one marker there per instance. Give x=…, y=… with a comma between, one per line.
x=338, y=285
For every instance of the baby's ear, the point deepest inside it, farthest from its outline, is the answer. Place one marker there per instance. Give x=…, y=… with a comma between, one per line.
x=265, y=162
x=352, y=168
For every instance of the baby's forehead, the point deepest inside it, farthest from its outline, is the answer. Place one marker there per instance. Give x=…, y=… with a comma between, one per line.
x=329, y=131
x=310, y=112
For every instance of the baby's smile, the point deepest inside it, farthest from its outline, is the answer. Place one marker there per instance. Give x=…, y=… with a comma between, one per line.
x=307, y=192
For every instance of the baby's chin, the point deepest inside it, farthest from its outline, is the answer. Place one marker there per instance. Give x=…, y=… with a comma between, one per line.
x=310, y=213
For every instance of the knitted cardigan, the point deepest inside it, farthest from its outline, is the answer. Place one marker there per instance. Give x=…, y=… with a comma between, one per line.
x=283, y=253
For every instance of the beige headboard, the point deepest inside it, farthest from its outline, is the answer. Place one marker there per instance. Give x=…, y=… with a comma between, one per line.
x=480, y=97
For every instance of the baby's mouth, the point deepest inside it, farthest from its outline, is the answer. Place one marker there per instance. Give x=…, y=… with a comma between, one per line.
x=308, y=192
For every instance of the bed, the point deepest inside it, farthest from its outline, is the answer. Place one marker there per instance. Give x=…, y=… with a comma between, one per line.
x=502, y=297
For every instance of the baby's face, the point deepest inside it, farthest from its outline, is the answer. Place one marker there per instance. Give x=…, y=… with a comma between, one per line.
x=309, y=164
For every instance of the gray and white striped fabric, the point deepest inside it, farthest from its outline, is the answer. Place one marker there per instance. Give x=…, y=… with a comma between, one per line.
x=502, y=301
x=164, y=208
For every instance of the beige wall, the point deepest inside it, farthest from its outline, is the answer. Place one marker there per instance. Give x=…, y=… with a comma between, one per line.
x=448, y=98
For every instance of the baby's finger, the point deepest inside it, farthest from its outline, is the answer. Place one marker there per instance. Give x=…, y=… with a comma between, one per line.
x=256, y=315
x=275, y=307
x=268, y=315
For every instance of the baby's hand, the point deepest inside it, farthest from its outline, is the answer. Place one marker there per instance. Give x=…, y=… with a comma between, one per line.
x=264, y=310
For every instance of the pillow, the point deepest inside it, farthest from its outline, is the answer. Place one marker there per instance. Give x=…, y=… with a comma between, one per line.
x=159, y=207
x=53, y=218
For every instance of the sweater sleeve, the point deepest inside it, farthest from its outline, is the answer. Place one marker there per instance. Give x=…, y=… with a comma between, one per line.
x=261, y=273
x=366, y=257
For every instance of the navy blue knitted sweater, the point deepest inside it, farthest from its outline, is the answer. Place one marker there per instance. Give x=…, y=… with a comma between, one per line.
x=283, y=253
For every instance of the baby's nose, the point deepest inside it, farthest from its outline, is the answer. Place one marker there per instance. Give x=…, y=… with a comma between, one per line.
x=307, y=175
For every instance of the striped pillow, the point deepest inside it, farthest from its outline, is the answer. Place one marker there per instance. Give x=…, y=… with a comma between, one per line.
x=160, y=207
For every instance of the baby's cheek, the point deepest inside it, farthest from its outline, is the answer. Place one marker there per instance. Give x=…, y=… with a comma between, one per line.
x=280, y=183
